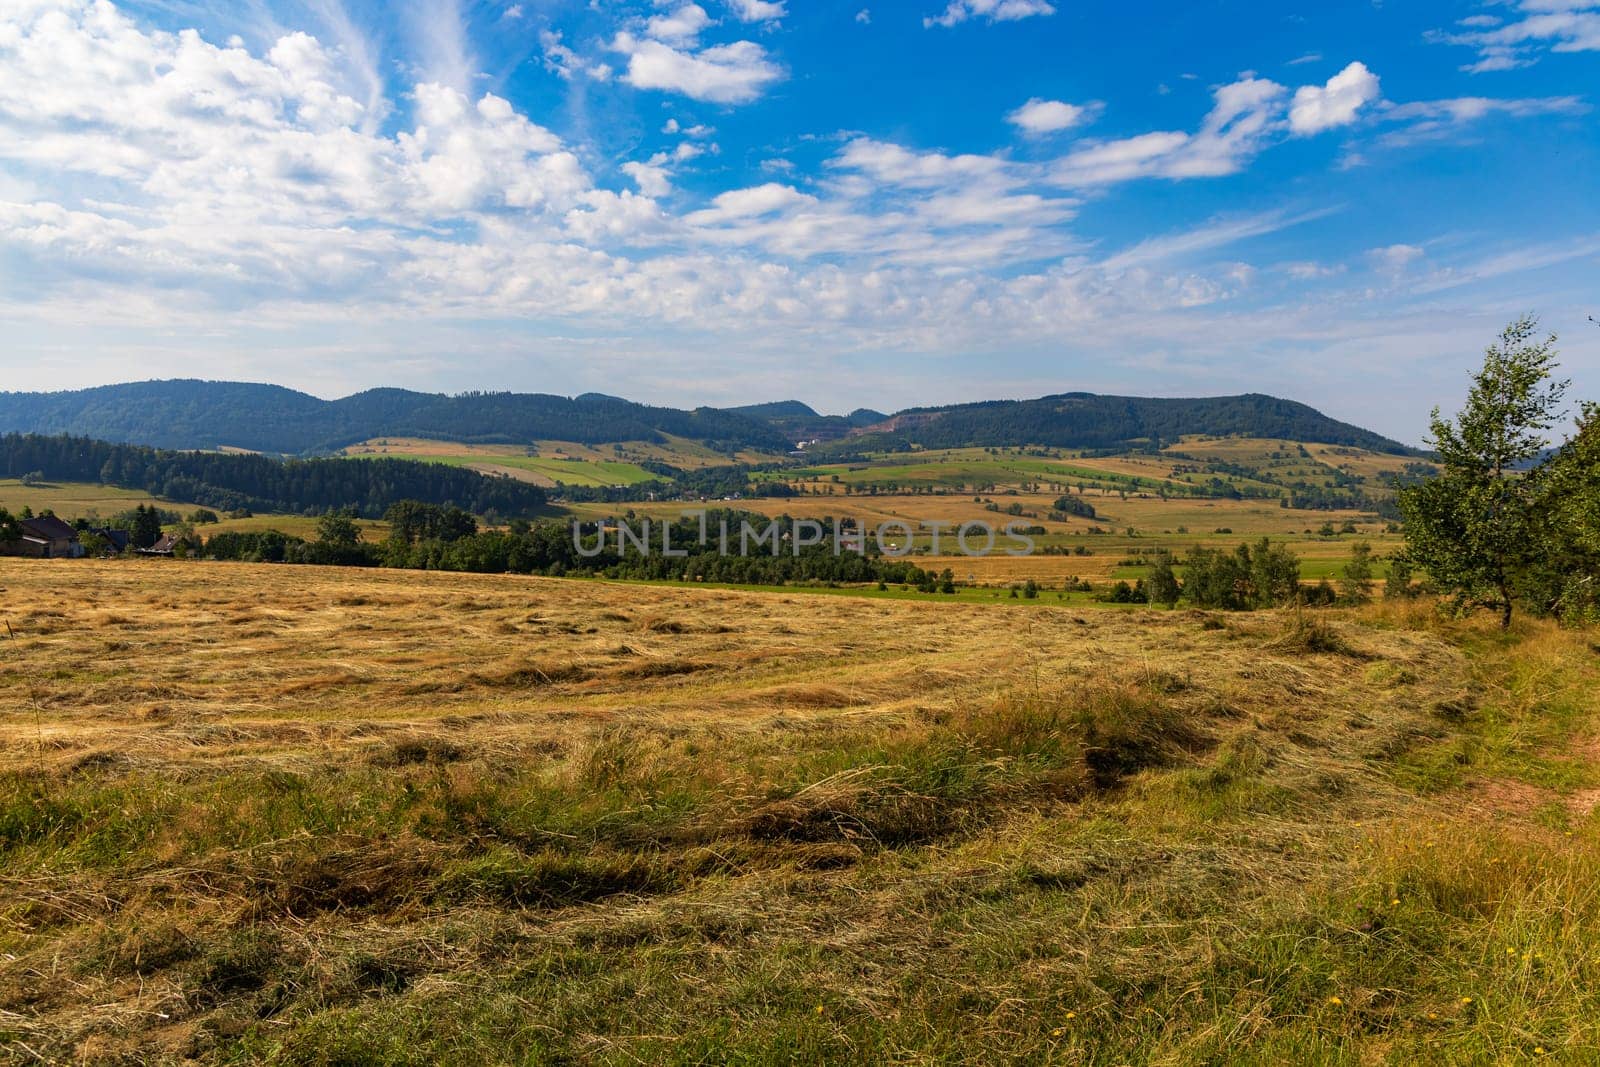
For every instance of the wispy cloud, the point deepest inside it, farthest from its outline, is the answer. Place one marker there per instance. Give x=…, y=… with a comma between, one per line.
x=960, y=11
x=1535, y=27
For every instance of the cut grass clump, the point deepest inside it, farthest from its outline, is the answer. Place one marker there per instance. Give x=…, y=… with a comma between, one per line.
x=1308, y=632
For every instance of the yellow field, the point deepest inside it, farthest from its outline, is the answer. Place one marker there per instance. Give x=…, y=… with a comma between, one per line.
x=311, y=815
x=1176, y=525
x=72, y=500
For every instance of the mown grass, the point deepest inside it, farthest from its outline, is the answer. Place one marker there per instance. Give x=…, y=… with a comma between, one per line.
x=1229, y=844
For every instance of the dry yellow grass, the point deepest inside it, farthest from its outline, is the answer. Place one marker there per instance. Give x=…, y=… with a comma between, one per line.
x=158, y=659
x=309, y=815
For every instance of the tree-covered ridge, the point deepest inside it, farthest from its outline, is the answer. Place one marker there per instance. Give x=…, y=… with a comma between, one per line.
x=260, y=483
x=1085, y=420
x=191, y=414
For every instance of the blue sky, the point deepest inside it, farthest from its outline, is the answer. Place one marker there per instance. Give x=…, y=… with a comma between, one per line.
x=852, y=204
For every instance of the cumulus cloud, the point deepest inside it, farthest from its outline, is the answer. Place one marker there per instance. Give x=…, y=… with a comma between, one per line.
x=1318, y=108
x=157, y=180
x=681, y=26
x=748, y=203
x=960, y=11
x=1049, y=116
x=734, y=73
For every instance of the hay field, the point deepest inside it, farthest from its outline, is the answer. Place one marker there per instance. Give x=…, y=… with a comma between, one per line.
x=308, y=815
x=74, y=499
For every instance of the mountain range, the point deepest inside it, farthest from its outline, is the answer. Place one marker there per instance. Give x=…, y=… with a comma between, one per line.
x=194, y=414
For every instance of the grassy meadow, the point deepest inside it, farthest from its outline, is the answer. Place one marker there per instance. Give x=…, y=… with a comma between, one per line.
x=309, y=815
x=550, y=462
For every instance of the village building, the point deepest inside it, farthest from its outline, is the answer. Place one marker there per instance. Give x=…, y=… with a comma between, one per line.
x=166, y=546
x=45, y=537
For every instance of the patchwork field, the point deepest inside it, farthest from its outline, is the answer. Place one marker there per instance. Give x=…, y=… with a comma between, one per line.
x=548, y=462
x=307, y=815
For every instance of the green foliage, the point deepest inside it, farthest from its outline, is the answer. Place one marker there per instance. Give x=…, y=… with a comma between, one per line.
x=146, y=528
x=261, y=483
x=1566, y=568
x=411, y=521
x=1084, y=420
x=1074, y=505
x=1243, y=580
x=1397, y=586
x=1163, y=581
x=338, y=529
x=268, y=418
x=10, y=529
x=1473, y=527
x=1354, y=578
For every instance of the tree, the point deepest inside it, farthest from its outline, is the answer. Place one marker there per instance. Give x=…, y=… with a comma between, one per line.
x=94, y=545
x=1567, y=529
x=1354, y=579
x=1472, y=527
x=1163, y=584
x=339, y=529
x=10, y=529
x=146, y=526
x=1397, y=585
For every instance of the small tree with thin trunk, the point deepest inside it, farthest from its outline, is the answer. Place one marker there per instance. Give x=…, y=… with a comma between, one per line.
x=1471, y=528
x=1355, y=579
x=1163, y=583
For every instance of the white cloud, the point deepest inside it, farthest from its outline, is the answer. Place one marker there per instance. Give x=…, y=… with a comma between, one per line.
x=1245, y=114
x=652, y=178
x=734, y=73
x=1211, y=236
x=989, y=10
x=749, y=203
x=1429, y=120
x=864, y=16
x=1539, y=25
x=1337, y=103
x=1116, y=161
x=1309, y=270
x=440, y=34
x=564, y=62
x=681, y=27
x=1049, y=116
x=758, y=10
x=1395, y=259
x=155, y=186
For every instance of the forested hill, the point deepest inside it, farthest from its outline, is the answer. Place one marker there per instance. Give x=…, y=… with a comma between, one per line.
x=192, y=414
x=259, y=483
x=189, y=414
x=1085, y=420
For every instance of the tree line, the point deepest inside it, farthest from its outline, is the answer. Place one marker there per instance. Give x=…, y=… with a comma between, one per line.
x=234, y=482
x=428, y=537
